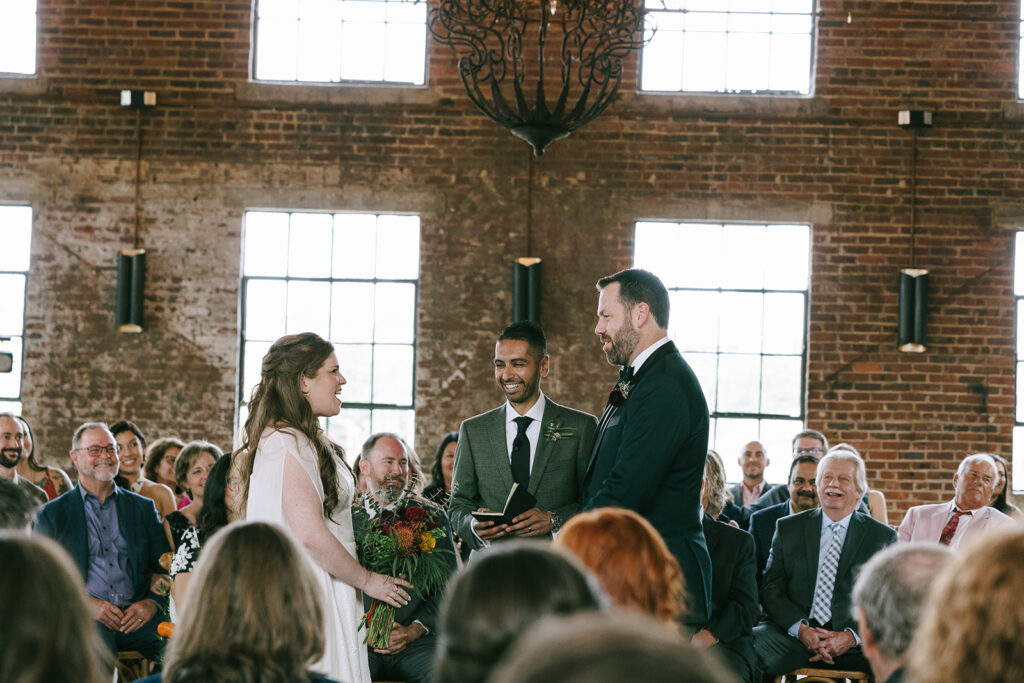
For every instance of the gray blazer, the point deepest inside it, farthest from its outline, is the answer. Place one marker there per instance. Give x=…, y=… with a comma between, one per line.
x=483, y=473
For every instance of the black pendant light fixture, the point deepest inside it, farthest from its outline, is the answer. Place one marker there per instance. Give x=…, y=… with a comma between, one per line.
x=912, y=332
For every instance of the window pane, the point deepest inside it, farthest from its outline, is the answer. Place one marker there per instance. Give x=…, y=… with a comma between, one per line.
x=783, y=323
x=393, y=374
x=1020, y=391
x=739, y=380
x=276, y=50
x=395, y=313
x=743, y=261
x=355, y=245
x=266, y=243
x=401, y=422
x=731, y=435
x=699, y=263
x=693, y=321
x=352, y=312
x=12, y=293
x=356, y=363
x=403, y=54
x=1018, y=270
x=740, y=323
x=350, y=428
x=18, y=37
x=362, y=51
x=785, y=256
x=398, y=247
x=705, y=366
x=265, y=309
x=659, y=248
x=251, y=365
x=1018, y=457
x=10, y=382
x=780, y=385
x=309, y=247
x=309, y=307
x=16, y=236
x=663, y=59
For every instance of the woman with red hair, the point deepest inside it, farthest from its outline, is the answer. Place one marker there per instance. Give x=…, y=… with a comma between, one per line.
x=629, y=558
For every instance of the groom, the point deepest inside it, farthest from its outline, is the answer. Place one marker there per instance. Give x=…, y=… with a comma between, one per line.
x=653, y=437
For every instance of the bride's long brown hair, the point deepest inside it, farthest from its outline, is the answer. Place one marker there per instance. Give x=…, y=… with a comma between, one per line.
x=278, y=401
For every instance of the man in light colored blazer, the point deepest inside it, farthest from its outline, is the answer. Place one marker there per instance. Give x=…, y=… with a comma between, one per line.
x=967, y=515
x=530, y=440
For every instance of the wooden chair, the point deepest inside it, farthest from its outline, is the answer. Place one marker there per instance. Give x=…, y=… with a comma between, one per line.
x=812, y=675
x=131, y=666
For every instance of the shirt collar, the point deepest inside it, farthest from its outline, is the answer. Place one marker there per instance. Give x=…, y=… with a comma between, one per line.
x=826, y=521
x=81, y=490
x=536, y=412
x=646, y=353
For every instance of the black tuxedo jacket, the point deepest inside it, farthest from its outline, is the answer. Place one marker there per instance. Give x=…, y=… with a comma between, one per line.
x=762, y=528
x=418, y=609
x=649, y=457
x=733, y=588
x=63, y=520
x=792, y=571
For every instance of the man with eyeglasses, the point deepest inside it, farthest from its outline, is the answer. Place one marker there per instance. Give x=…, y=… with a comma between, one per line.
x=808, y=442
x=116, y=540
x=11, y=436
x=967, y=515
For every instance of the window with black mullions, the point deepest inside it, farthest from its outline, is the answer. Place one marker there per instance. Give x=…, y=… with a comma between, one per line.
x=16, y=237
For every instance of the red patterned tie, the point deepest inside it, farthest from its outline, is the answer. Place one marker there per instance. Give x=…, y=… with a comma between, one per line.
x=947, y=531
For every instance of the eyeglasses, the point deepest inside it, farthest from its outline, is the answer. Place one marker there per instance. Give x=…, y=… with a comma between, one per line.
x=96, y=451
x=806, y=451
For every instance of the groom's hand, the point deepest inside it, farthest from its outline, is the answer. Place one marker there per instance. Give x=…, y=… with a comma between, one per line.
x=401, y=636
x=488, y=530
x=533, y=522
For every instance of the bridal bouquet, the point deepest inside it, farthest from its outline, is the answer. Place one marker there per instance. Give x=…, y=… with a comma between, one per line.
x=400, y=540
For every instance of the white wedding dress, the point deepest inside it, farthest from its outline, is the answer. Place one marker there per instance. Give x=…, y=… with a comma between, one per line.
x=345, y=656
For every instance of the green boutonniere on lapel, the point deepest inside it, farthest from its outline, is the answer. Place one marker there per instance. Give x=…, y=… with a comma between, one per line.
x=553, y=431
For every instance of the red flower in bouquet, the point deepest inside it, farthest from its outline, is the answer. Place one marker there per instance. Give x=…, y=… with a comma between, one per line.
x=414, y=513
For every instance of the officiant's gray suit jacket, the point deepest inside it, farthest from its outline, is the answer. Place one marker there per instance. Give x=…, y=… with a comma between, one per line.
x=483, y=472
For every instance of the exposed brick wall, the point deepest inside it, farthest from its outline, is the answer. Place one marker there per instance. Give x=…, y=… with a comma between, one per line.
x=212, y=148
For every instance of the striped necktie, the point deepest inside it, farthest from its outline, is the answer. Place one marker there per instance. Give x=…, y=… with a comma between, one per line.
x=821, y=609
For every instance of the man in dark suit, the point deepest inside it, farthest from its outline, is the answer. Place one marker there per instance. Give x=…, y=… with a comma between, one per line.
x=384, y=468
x=529, y=440
x=116, y=540
x=752, y=461
x=802, y=496
x=653, y=437
x=813, y=562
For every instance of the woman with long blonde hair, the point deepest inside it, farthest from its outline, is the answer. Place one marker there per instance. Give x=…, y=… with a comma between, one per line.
x=291, y=475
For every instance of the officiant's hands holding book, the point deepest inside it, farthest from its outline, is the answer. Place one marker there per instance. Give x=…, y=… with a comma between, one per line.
x=487, y=530
x=533, y=522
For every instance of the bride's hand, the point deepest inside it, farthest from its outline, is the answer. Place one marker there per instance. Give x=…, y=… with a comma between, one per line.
x=387, y=589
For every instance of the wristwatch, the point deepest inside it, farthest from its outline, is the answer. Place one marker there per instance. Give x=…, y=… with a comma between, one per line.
x=556, y=522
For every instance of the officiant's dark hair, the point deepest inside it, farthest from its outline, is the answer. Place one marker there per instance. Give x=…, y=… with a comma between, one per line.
x=637, y=285
x=499, y=595
x=529, y=332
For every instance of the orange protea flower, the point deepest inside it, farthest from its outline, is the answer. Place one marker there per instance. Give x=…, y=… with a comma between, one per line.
x=405, y=535
x=427, y=542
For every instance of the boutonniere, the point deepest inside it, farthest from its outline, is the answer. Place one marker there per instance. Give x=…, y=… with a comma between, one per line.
x=620, y=393
x=553, y=431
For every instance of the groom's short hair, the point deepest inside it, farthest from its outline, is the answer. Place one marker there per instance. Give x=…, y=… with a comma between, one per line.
x=529, y=332
x=637, y=285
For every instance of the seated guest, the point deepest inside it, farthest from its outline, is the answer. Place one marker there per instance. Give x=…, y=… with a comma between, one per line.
x=619, y=647
x=971, y=625
x=809, y=442
x=734, y=608
x=133, y=446
x=191, y=470
x=888, y=597
x=440, y=488
x=384, y=466
x=17, y=508
x=49, y=634
x=752, y=461
x=12, y=435
x=499, y=596
x=965, y=516
x=213, y=516
x=629, y=559
x=725, y=510
x=52, y=480
x=238, y=625
x=802, y=496
x=115, y=539
x=999, y=493
x=159, y=467
x=873, y=501
x=814, y=558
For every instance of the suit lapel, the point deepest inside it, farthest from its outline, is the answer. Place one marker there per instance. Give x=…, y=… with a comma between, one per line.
x=79, y=539
x=544, y=446
x=851, y=545
x=812, y=543
x=129, y=525
x=499, y=446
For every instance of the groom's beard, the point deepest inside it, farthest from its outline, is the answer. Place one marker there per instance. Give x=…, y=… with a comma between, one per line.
x=622, y=345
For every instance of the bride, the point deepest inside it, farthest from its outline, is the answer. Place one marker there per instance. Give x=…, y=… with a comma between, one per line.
x=291, y=475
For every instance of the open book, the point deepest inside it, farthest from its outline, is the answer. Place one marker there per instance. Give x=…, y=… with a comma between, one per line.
x=519, y=501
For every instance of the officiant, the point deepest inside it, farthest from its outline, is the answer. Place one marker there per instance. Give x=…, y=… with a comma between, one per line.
x=384, y=468
x=528, y=440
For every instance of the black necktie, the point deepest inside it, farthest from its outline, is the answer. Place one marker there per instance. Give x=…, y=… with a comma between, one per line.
x=521, y=452
x=625, y=374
